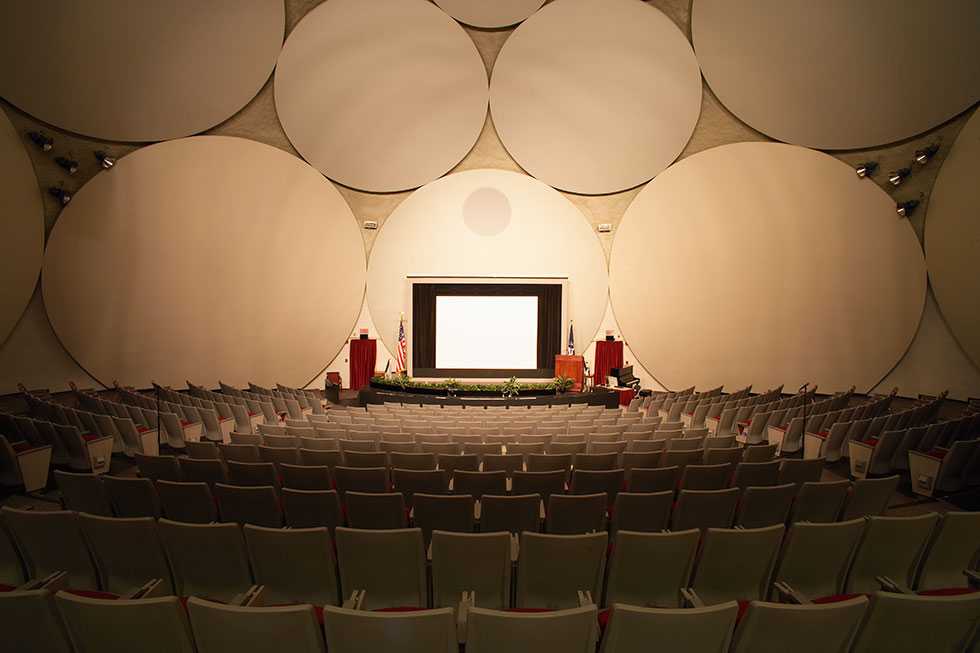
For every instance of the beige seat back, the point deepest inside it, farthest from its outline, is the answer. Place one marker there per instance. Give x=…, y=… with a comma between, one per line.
x=127, y=552
x=815, y=557
x=312, y=508
x=389, y=565
x=471, y=562
x=83, y=492
x=718, y=580
x=207, y=560
x=954, y=547
x=52, y=541
x=765, y=506
x=552, y=569
x=132, y=497
x=361, y=631
x=704, y=509
x=904, y=622
x=257, y=505
x=187, y=502
x=642, y=511
x=692, y=630
x=295, y=565
x=443, y=512
x=574, y=630
x=376, y=510
x=514, y=513
x=159, y=624
x=770, y=627
x=219, y=628
x=568, y=514
x=819, y=501
x=30, y=622
x=633, y=580
x=892, y=547
x=869, y=496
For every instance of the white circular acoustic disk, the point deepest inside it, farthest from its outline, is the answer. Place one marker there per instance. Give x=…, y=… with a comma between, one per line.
x=137, y=71
x=952, y=239
x=431, y=234
x=840, y=74
x=383, y=95
x=205, y=258
x=767, y=264
x=21, y=227
x=595, y=96
x=490, y=14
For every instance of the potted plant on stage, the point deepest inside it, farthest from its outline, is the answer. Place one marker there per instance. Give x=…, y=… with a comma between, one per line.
x=561, y=384
x=452, y=387
x=511, y=388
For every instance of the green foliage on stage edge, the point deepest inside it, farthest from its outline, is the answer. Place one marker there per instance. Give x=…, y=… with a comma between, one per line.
x=561, y=384
x=512, y=385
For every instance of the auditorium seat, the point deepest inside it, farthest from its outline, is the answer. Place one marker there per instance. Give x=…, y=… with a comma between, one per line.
x=820, y=501
x=218, y=628
x=376, y=510
x=758, y=453
x=315, y=457
x=953, y=549
x=294, y=565
x=869, y=496
x=717, y=456
x=242, y=453
x=720, y=578
x=137, y=438
x=874, y=455
x=692, y=630
x=86, y=452
x=586, y=481
x=765, y=506
x=127, y=553
x=479, y=483
x=311, y=508
x=187, y=502
x=567, y=448
x=704, y=509
x=656, y=479
x=595, y=461
x=570, y=514
x=642, y=511
x=251, y=504
x=756, y=474
x=815, y=557
x=83, y=493
x=799, y=471
x=252, y=474
x=902, y=622
x=387, y=565
x=941, y=470
x=30, y=622
x=24, y=464
x=549, y=463
x=419, y=461
x=681, y=458
x=305, y=477
x=208, y=560
x=419, y=631
x=515, y=513
x=410, y=481
x=355, y=479
x=159, y=624
x=365, y=459
x=156, y=468
x=131, y=497
x=706, y=477
x=572, y=630
x=552, y=569
x=471, y=562
x=210, y=471
x=445, y=512
x=203, y=451
x=634, y=580
x=685, y=444
x=288, y=455
x=357, y=446
x=891, y=547
x=50, y=542
x=769, y=627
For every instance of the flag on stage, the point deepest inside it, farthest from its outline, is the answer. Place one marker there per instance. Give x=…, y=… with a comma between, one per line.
x=571, y=340
x=401, y=356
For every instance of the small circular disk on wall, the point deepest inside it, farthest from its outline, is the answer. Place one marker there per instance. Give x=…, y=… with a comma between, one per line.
x=382, y=96
x=490, y=14
x=21, y=227
x=430, y=234
x=840, y=74
x=767, y=264
x=137, y=71
x=595, y=96
x=205, y=258
x=952, y=238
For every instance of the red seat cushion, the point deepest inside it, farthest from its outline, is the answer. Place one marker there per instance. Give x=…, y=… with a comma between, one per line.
x=184, y=422
x=948, y=591
x=872, y=441
x=21, y=446
x=143, y=429
x=88, y=437
x=604, y=619
x=743, y=607
x=7, y=588
x=937, y=453
x=92, y=594
x=836, y=598
x=401, y=608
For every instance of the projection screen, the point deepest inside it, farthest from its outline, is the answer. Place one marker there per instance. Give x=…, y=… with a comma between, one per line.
x=486, y=332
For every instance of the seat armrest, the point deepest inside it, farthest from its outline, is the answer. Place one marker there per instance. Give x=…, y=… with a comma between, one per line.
x=789, y=595
x=584, y=598
x=972, y=577
x=467, y=601
x=145, y=591
x=251, y=598
x=888, y=585
x=691, y=598
x=52, y=582
x=355, y=601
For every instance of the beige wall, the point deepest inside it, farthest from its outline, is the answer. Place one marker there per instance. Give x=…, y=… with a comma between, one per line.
x=938, y=358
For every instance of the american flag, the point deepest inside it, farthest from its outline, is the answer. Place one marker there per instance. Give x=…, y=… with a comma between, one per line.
x=571, y=340
x=402, y=353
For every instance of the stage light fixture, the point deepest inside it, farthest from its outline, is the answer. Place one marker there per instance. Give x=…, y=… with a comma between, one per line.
x=906, y=208
x=923, y=156
x=105, y=159
x=42, y=140
x=866, y=169
x=897, y=177
x=68, y=165
x=63, y=196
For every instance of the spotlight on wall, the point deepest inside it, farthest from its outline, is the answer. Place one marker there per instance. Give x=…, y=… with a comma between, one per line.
x=923, y=156
x=42, y=140
x=105, y=159
x=896, y=178
x=63, y=196
x=68, y=165
x=906, y=208
x=866, y=169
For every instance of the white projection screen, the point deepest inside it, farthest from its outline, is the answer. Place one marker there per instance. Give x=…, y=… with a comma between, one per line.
x=486, y=332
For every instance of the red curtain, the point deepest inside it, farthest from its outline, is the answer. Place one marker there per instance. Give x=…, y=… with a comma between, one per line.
x=363, y=354
x=608, y=354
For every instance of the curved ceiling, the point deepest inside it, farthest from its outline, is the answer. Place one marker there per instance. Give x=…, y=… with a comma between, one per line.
x=489, y=15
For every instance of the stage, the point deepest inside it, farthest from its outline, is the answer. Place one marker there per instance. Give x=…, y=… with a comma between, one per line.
x=379, y=393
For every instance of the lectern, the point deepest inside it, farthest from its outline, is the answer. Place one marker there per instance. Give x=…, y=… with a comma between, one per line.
x=572, y=367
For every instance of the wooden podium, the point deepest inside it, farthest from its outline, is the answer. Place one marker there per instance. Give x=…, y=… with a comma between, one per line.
x=572, y=367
